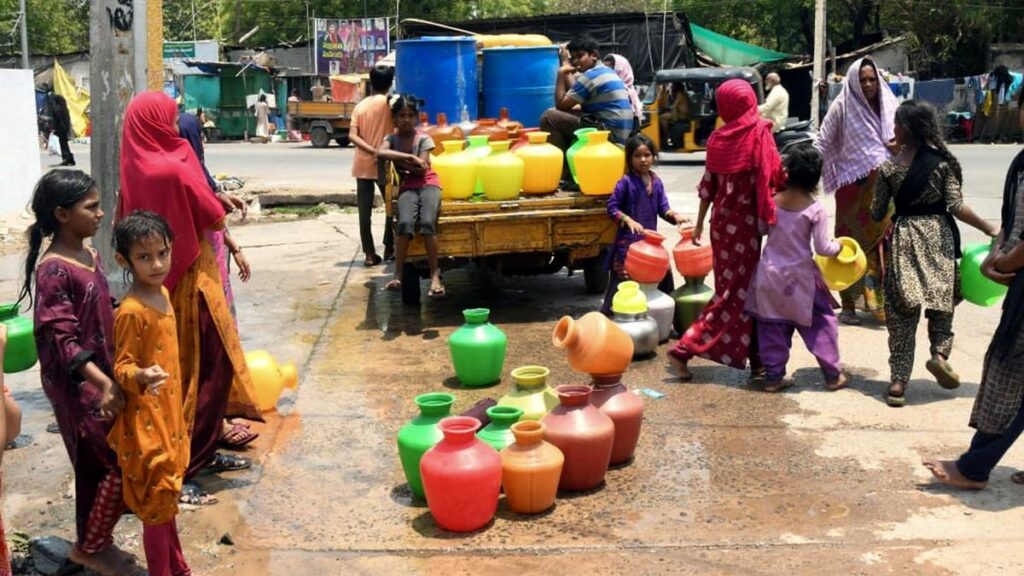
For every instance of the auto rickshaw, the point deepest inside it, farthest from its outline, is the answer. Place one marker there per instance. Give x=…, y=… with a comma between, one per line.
x=679, y=107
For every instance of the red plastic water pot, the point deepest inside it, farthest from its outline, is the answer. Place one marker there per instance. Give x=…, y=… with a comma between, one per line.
x=461, y=477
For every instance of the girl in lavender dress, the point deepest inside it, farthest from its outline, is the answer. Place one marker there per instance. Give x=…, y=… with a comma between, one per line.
x=787, y=292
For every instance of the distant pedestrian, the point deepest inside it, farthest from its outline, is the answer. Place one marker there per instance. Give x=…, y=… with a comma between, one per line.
x=854, y=141
x=419, y=190
x=371, y=124
x=743, y=171
x=149, y=436
x=998, y=414
x=788, y=293
x=262, y=117
x=923, y=183
x=62, y=127
x=637, y=202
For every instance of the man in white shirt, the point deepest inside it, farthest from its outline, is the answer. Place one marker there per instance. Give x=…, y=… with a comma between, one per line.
x=776, y=105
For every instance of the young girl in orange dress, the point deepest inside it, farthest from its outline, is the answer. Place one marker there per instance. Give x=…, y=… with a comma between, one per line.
x=150, y=438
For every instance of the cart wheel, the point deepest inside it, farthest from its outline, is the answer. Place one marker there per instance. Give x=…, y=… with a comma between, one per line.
x=342, y=141
x=595, y=277
x=410, y=285
x=319, y=137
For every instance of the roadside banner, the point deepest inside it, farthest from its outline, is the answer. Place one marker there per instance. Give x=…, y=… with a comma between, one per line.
x=350, y=46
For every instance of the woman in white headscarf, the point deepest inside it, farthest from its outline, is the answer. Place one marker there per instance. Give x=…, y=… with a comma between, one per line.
x=625, y=72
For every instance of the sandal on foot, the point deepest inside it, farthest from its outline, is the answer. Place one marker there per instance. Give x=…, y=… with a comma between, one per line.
x=773, y=387
x=1017, y=477
x=372, y=260
x=897, y=400
x=849, y=317
x=943, y=373
x=193, y=495
x=227, y=463
x=393, y=286
x=436, y=292
x=53, y=428
x=838, y=384
x=238, y=437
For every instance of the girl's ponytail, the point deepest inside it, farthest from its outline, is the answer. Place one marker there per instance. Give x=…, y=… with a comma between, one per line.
x=56, y=189
x=35, y=243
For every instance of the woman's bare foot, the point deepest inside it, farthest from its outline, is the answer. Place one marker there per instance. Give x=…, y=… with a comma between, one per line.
x=946, y=471
x=107, y=562
x=681, y=368
x=837, y=384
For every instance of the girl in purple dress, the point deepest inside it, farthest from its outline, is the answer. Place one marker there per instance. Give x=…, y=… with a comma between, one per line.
x=74, y=332
x=637, y=202
x=787, y=292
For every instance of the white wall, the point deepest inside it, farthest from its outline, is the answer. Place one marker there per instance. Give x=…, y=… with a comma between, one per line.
x=19, y=148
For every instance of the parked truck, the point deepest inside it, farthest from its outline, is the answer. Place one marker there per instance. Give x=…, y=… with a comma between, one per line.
x=323, y=121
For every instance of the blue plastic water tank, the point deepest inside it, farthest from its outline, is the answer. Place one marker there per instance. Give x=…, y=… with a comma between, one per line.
x=521, y=79
x=441, y=71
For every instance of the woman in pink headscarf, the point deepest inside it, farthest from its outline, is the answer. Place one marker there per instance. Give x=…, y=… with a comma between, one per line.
x=743, y=169
x=625, y=73
x=854, y=141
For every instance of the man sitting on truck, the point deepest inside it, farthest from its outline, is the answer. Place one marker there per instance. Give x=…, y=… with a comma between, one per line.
x=599, y=94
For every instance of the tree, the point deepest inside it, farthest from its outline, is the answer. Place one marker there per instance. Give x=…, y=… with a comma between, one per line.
x=54, y=26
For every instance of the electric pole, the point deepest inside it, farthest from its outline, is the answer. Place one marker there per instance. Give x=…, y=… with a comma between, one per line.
x=24, y=35
x=819, y=58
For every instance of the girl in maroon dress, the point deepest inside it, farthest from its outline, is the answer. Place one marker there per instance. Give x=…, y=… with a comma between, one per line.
x=743, y=169
x=74, y=330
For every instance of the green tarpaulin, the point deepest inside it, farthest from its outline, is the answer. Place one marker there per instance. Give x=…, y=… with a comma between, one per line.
x=731, y=52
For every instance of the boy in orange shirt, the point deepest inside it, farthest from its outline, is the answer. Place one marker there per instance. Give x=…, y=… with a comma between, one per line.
x=371, y=123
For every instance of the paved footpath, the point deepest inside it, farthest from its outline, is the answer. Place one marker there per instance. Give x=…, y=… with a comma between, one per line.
x=726, y=480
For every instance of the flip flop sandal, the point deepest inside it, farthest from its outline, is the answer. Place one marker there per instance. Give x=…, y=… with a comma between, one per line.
x=1017, y=478
x=849, y=318
x=897, y=401
x=227, y=463
x=436, y=292
x=943, y=373
x=393, y=286
x=242, y=437
x=53, y=428
x=193, y=495
x=775, y=387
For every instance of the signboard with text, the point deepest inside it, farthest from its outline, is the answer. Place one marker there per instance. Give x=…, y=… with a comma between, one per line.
x=350, y=46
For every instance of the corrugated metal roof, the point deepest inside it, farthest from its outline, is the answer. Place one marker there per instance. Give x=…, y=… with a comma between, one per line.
x=290, y=61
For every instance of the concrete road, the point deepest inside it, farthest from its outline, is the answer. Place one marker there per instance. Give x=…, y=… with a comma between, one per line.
x=726, y=479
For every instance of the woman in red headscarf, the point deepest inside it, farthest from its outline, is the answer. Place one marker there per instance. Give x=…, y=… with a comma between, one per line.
x=743, y=169
x=161, y=173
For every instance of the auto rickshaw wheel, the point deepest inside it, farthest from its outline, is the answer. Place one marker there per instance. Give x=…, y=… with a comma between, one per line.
x=319, y=137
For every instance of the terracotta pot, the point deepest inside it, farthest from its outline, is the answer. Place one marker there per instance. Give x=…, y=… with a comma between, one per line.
x=542, y=164
x=489, y=126
x=424, y=125
x=442, y=132
x=584, y=434
x=647, y=260
x=513, y=127
x=624, y=408
x=530, y=469
x=420, y=434
x=498, y=433
x=691, y=260
x=530, y=393
x=594, y=344
x=599, y=165
x=461, y=477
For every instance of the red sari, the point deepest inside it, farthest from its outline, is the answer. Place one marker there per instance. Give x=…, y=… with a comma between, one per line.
x=723, y=332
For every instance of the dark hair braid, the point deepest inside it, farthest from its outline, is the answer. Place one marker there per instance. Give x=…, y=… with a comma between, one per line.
x=919, y=119
x=56, y=189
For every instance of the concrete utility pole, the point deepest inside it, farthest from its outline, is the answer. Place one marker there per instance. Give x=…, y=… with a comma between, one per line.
x=24, y=35
x=819, y=58
x=126, y=56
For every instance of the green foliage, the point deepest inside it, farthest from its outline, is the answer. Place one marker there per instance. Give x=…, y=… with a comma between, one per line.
x=54, y=26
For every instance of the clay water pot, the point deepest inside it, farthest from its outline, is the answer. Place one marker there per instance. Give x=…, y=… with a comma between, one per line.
x=461, y=477
x=490, y=128
x=542, y=164
x=976, y=288
x=442, y=132
x=457, y=171
x=20, y=352
x=530, y=469
x=599, y=165
x=498, y=433
x=513, y=127
x=501, y=173
x=690, y=299
x=530, y=392
x=584, y=434
x=647, y=260
x=478, y=349
x=270, y=378
x=570, y=154
x=420, y=434
x=661, y=307
x=629, y=312
x=424, y=124
x=692, y=260
x=624, y=408
x=593, y=344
